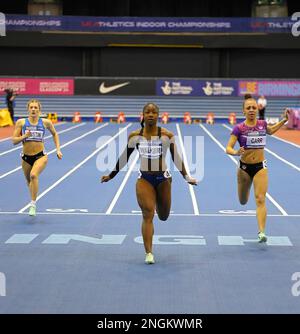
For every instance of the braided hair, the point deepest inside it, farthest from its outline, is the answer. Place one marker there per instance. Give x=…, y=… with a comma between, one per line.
x=144, y=109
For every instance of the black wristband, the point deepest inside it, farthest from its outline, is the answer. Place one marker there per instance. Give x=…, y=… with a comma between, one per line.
x=113, y=174
x=116, y=170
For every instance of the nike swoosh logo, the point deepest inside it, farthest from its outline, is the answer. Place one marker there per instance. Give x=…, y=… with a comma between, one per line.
x=105, y=90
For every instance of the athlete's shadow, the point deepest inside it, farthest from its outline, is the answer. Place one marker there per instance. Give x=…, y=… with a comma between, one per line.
x=33, y=220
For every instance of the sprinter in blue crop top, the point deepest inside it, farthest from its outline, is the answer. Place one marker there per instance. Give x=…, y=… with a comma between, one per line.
x=30, y=131
x=251, y=135
x=153, y=187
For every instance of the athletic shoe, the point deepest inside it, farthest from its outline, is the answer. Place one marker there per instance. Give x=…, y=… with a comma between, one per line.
x=32, y=210
x=262, y=237
x=149, y=258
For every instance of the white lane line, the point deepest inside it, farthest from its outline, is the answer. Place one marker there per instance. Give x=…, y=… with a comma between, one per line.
x=140, y=211
x=286, y=141
x=54, y=150
x=118, y=193
x=76, y=167
x=5, y=139
x=274, y=154
x=191, y=189
x=47, y=137
x=278, y=206
x=139, y=214
x=283, y=160
x=9, y=138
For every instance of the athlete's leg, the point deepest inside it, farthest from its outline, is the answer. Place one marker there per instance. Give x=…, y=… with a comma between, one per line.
x=26, y=170
x=38, y=166
x=146, y=198
x=260, y=182
x=244, y=185
x=163, y=199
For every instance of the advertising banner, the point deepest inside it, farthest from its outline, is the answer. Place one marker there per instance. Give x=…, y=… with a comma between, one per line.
x=41, y=86
x=148, y=24
x=194, y=87
x=114, y=86
x=276, y=88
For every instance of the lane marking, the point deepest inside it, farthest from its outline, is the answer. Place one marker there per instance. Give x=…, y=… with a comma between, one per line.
x=191, y=188
x=54, y=150
x=278, y=206
x=47, y=137
x=55, y=184
x=274, y=154
x=120, y=189
x=9, y=138
x=139, y=214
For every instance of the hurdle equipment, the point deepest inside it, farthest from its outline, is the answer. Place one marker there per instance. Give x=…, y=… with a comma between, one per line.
x=165, y=118
x=76, y=117
x=232, y=118
x=187, y=119
x=210, y=118
x=121, y=117
x=98, y=117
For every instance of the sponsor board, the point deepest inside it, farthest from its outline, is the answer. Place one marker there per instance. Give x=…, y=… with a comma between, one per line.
x=275, y=88
x=114, y=86
x=152, y=24
x=193, y=87
x=41, y=86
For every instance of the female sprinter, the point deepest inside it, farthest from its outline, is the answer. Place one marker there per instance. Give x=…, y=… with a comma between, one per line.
x=30, y=132
x=153, y=187
x=251, y=135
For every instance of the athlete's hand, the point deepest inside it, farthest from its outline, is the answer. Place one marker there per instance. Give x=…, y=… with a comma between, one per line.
x=59, y=155
x=286, y=114
x=191, y=180
x=241, y=151
x=27, y=134
x=105, y=178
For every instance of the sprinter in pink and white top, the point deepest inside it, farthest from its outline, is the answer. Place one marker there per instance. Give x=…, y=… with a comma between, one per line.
x=252, y=135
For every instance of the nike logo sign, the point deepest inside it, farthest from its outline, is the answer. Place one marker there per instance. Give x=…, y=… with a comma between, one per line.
x=105, y=90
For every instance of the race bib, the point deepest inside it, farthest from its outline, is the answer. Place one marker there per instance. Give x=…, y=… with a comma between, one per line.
x=256, y=141
x=35, y=135
x=150, y=149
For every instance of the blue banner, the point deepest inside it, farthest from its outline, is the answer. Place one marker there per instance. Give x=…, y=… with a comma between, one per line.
x=193, y=87
x=148, y=24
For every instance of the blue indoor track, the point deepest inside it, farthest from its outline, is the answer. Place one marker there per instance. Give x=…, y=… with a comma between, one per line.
x=83, y=251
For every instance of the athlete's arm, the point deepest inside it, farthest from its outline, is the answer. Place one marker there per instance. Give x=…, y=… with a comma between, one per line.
x=178, y=161
x=122, y=161
x=230, y=147
x=17, y=135
x=273, y=128
x=48, y=124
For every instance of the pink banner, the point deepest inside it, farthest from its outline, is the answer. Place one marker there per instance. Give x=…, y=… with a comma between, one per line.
x=42, y=86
